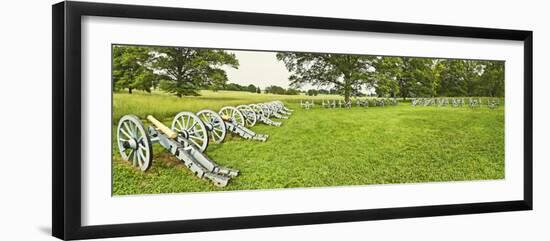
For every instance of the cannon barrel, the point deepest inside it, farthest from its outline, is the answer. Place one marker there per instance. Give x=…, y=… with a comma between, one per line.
x=162, y=128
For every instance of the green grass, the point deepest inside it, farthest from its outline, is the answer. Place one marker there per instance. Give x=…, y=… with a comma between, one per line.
x=325, y=147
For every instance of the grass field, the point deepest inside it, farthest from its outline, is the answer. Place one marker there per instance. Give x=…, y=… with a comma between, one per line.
x=324, y=147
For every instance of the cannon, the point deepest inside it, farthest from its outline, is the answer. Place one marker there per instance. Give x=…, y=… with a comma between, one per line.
x=186, y=141
x=262, y=114
x=493, y=103
x=235, y=122
x=457, y=102
x=273, y=110
x=283, y=110
x=249, y=114
x=441, y=102
x=344, y=104
x=359, y=103
x=279, y=108
x=325, y=104
x=306, y=104
x=473, y=103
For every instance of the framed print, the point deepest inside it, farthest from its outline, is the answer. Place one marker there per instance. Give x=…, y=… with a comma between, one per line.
x=170, y=120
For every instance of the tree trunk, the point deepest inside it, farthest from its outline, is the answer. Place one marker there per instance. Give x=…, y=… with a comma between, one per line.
x=347, y=88
x=346, y=95
x=347, y=92
x=129, y=90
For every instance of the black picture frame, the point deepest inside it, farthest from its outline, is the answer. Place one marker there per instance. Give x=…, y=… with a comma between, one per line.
x=66, y=152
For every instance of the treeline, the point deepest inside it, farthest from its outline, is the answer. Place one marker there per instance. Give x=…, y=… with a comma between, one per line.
x=352, y=75
x=185, y=71
x=273, y=89
x=236, y=87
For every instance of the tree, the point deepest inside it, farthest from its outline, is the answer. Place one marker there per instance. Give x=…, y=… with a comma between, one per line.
x=235, y=87
x=437, y=68
x=312, y=92
x=492, y=79
x=471, y=78
x=131, y=68
x=407, y=76
x=346, y=73
x=251, y=88
x=454, y=78
x=278, y=90
x=291, y=91
x=218, y=78
x=389, y=71
x=258, y=90
x=273, y=89
x=186, y=70
x=420, y=73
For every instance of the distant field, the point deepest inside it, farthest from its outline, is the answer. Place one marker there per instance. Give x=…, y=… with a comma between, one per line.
x=163, y=105
x=324, y=147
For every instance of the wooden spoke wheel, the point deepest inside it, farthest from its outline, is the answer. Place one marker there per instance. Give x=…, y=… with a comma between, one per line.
x=258, y=110
x=190, y=127
x=214, y=124
x=266, y=109
x=249, y=114
x=134, y=143
x=233, y=114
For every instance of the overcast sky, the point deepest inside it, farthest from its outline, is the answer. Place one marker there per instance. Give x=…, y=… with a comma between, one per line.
x=258, y=68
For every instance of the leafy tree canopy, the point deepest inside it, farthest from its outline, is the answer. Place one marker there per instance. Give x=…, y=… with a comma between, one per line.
x=131, y=69
x=349, y=75
x=184, y=71
x=278, y=90
x=345, y=73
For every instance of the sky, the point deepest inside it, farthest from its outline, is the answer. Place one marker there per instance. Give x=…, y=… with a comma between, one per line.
x=258, y=68
x=262, y=69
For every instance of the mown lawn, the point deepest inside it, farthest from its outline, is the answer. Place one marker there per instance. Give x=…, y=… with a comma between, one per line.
x=325, y=147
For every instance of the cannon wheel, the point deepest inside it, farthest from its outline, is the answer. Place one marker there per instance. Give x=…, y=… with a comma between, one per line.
x=270, y=107
x=190, y=127
x=249, y=114
x=256, y=108
x=230, y=112
x=275, y=106
x=266, y=109
x=214, y=124
x=134, y=143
